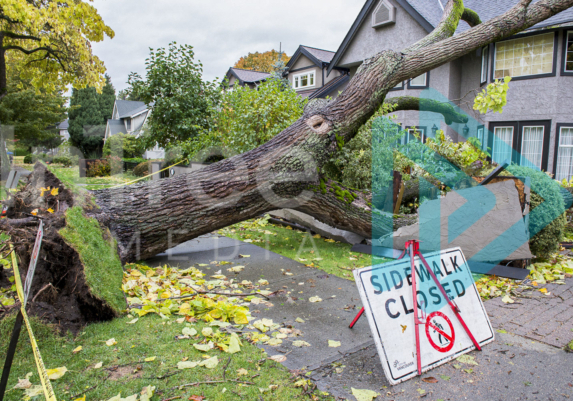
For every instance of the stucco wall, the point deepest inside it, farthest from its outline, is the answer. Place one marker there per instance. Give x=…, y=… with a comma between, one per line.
x=527, y=100
x=368, y=41
x=302, y=62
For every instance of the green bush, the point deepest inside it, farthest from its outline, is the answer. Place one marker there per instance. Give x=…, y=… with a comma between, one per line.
x=66, y=161
x=142, y=169
x=124, y=146
x=98, y=168
x=547, y=225
x=28, y=159
x=133, y=159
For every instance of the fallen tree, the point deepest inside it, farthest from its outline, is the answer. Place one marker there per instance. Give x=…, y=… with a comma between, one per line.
x=148, y=218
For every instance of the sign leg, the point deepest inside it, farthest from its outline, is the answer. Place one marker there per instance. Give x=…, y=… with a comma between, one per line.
x=10, y=354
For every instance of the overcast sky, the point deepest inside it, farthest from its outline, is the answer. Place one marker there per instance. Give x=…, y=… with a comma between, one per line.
x=221, y=31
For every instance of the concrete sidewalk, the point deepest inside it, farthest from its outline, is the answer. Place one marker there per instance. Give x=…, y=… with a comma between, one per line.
x=516, y=366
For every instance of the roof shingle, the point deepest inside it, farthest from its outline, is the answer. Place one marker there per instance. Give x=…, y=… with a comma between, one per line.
x=250, y=76
x=323, y=55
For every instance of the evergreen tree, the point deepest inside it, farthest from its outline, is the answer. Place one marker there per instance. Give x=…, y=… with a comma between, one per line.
x=86, y=121
x=89, y=112
x=107, y=99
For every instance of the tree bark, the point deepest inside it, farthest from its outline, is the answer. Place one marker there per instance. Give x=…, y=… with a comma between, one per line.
x=149, y=218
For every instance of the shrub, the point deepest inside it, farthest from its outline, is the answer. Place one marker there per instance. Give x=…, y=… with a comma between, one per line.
x=115, y=164
x=142, y=169
x=28, y=159
x=123, y=145
x=547, y=225
x=98, y=168
x=64, y=160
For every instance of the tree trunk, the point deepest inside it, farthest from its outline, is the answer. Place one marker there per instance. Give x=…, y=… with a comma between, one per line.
x=149, y=218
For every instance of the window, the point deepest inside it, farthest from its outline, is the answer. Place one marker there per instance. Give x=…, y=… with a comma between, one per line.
x=128, y=124
x=400, y=86
x=564, y=159
x=568, y=53
x=481, y=137
x=303, y=80
x=532, y=146
x=531, y=55
x=522, y=142
x=502, y=144
x=420, y=82
x=412, y=132
x=484, y=64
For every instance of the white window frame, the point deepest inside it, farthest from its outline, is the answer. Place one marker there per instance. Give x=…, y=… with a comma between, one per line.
x=557, y=155
x=297, y=79
x=521, y=157
x=411, y=86
x=525, y=75
x=481, y=136
x=484, y=64
x=128, y=124
x=496, y=139
x=569, y=37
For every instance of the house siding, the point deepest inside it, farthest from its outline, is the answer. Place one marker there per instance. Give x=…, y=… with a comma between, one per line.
x=369, y=41
x=548, y=98
x=302, y=62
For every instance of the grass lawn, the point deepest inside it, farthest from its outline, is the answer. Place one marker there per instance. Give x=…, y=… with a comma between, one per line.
x=325, y=254
x=71, y=175
x=125, y=370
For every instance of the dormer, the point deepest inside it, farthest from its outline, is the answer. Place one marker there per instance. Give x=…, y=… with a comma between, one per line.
x=384, y=14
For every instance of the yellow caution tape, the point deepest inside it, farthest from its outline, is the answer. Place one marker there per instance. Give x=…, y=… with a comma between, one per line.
x=148, y=175
x=46, y=385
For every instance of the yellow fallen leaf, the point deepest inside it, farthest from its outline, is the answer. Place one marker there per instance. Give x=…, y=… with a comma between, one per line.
x=315, y=299
x=55, y=374
x=98, y=365
x=329, y=240
x=534, y=283
x=76, y=350
x=242, y=372
x=150, y=359
x=299, y=320
x=364, y=395
x=334, y=344
x=278, y=358
x=186, y=365
x=133, y=321
x=110, y=342
x=83, y=398
x=210, y=363
x=23, y=384
x=34, y=212
x=543, y=290
x=34, y=391
x=54, y=191
x=50, y=210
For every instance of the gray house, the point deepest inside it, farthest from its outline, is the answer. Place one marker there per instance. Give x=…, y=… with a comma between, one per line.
x=129, y=117
x=537, y=122
x=63, y=129
x=245, y=77
x=307, y=73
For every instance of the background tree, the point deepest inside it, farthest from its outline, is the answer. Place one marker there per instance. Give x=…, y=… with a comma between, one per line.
x=49, y=43
x=88, y=115
x=131, y=93
x=264, y=62
x=107, y=99
x=248, y=118
x=182, y=104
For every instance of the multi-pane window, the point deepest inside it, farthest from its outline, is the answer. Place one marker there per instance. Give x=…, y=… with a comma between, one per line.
x=419, y=80
x=484, y=63
x=565, y=154
x=532, y=55
x=569, y=52
x=532, y=146
x=502, y=144
x=303, y=80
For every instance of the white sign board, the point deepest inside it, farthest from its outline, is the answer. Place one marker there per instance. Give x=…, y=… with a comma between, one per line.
x=33, y=261
x=386, y=293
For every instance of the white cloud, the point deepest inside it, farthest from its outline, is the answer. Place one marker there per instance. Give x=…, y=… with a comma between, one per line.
x=221, y=31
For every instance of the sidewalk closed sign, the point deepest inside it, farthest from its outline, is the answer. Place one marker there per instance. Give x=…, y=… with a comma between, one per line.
x=386, y=293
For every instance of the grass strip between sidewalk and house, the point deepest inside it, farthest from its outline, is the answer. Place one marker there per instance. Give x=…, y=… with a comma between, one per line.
x=330, y=256
x=98, y=255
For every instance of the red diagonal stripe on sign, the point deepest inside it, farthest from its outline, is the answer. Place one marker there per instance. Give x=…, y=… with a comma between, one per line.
x=432, y=325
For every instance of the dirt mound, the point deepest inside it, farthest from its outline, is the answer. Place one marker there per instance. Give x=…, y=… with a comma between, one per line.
x=59, y=292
